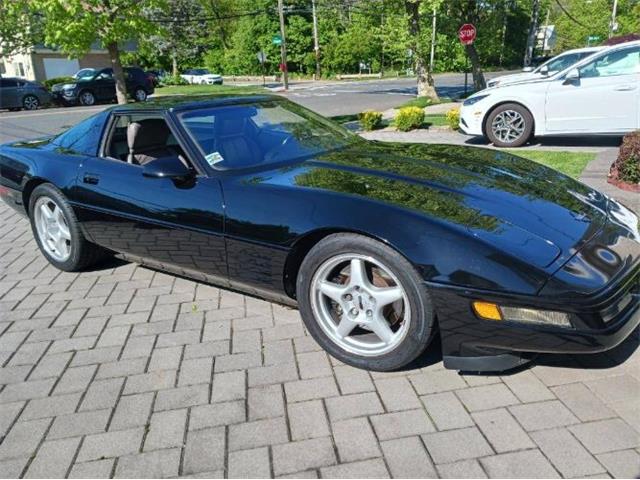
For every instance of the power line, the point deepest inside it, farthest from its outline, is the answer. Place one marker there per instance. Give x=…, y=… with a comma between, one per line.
x=211, y=17
x=569, y=15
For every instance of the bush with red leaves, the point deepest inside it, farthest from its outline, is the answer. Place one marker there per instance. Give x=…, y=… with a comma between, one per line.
x=625, y=171
x=621, y=39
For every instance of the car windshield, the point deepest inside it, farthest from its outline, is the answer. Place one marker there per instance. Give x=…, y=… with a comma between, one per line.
x=559, y=63
x=86, y=73
x=244, y=136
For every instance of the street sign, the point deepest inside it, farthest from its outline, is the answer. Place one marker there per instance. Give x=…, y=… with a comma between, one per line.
x=276, y=40
x=467, y=34
x=262, y=57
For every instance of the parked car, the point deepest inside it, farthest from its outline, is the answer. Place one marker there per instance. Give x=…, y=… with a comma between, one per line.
x=600, y=95
x=18, y=93
x=550, y=67
x=101, y=87
x=202, y=76
x=156, y=76
x=379, y=245
x=85, y=72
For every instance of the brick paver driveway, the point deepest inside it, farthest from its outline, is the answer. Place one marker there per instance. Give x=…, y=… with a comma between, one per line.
x=128, y=372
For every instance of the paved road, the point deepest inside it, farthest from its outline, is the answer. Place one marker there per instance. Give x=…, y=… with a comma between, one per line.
x=128, y=372
x=327, y=98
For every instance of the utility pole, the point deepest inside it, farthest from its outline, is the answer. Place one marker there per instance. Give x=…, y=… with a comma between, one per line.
x=283, y=47
x=433, y=41
x=316, y=44
x=531, y=38
x=612, y=25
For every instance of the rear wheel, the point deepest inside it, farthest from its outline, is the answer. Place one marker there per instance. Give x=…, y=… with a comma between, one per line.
x=87, y=98
x=364, y=303
x=140, y=94
x=57, y=231
x=509, y=125
x=30, y=102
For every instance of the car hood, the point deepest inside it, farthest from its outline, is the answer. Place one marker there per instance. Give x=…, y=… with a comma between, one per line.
x=516, y=77
x=509, y=202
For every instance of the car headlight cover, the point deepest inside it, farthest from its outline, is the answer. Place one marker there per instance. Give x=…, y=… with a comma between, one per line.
x=474, y=100
x=491, y=311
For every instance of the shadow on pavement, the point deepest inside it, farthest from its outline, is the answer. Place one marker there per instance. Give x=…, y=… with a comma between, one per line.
x=592, y=141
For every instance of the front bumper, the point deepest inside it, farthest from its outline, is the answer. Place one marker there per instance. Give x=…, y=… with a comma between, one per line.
x=599, y=323
x=58, y=98
x=471, y=118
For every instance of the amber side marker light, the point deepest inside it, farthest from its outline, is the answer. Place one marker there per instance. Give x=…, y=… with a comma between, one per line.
x=486, y=310
x=491, y=311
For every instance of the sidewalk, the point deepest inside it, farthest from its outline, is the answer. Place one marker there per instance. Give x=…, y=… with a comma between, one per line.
x=595, y=175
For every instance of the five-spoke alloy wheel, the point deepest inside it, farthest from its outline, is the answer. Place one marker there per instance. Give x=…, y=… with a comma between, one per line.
x=364, y=302
x=52, y=228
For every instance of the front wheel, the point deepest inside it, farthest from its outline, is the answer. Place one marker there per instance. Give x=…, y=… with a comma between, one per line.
x=509, y=125
x=57, y=231
x=364, y=303
x=87, y=98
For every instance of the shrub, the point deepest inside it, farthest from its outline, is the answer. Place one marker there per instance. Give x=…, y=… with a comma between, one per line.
x=173, y=80
x=626, y=168
x=52, y=81
x=453, y=118
x=370, y=119
x=409, y=118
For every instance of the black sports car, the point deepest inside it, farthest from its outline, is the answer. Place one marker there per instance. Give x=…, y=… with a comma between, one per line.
x=380, y=245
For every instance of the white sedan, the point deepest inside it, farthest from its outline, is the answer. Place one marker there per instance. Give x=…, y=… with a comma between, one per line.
x=600, y=95
x=202, y=76
x=550, y=67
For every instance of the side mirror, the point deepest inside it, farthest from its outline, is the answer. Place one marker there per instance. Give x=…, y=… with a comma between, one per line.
x=527, y=69
x=572, y=76
x=544, y=70
x=167, y=167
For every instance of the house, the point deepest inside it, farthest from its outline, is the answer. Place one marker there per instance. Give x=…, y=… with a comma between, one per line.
x=41, y=63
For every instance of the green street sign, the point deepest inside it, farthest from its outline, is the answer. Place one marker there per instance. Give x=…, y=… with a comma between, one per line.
x=593, y=38
x=276, y=40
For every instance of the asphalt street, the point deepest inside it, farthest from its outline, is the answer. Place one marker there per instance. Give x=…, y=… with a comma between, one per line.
x=326, y=98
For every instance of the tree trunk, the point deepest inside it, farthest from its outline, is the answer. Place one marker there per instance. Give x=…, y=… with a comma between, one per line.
x=426, y=87
x=479, y=82
x=174, y=64
x=118, y=73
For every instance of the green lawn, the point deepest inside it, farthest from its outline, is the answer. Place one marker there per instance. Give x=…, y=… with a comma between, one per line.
x=422, y=102
x=204, y=89
x=569, y=163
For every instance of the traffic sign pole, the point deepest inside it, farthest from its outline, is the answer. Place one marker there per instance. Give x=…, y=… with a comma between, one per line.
x=466, y=35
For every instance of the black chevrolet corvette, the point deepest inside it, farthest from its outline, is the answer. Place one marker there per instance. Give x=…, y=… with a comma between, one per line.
x=380, y=245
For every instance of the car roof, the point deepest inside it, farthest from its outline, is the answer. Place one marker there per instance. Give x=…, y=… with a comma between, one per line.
x=192, y=102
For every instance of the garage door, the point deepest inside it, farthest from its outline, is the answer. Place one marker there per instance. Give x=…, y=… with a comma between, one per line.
x=60, y=67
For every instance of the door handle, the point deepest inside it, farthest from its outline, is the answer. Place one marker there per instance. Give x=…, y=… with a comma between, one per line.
x=91, y=179
x=625, y=88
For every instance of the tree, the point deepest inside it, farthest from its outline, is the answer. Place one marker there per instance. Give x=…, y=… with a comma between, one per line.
x=467, y=11
x=20, y=27
x=74, y=26
x=426, y=85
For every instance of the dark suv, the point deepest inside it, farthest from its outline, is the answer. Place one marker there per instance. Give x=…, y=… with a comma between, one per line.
x=101, y=87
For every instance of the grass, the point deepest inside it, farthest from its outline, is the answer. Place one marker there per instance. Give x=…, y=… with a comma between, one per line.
x=204, y=89
x=569, y=163
x=422, y=102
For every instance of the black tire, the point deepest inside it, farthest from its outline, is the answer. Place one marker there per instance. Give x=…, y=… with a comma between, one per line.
x=87, y=98
x=523, y=138
x=140, y=94
x=30, y=102
x=421, y=328
x=82, y=252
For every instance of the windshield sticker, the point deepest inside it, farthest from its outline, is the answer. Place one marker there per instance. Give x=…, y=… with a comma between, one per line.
x=214, y=158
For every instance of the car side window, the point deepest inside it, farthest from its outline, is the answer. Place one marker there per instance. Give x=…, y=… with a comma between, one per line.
x=8, y=83
x=620, y=62
x=84, y=138
x=562, y=62
x=149, y=139
x=105, y=76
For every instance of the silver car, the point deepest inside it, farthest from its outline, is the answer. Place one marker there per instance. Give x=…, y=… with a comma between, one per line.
x=18, y=93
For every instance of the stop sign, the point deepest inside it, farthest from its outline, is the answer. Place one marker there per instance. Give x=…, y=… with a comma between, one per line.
x=467, y=34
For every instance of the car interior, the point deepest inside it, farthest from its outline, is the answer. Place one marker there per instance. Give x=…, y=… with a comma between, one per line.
x=140, y=139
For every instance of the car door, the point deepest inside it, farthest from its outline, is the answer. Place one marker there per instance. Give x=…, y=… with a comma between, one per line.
x=178, y=225
x=604, y=99
x=105, y=85
x=9, y=95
